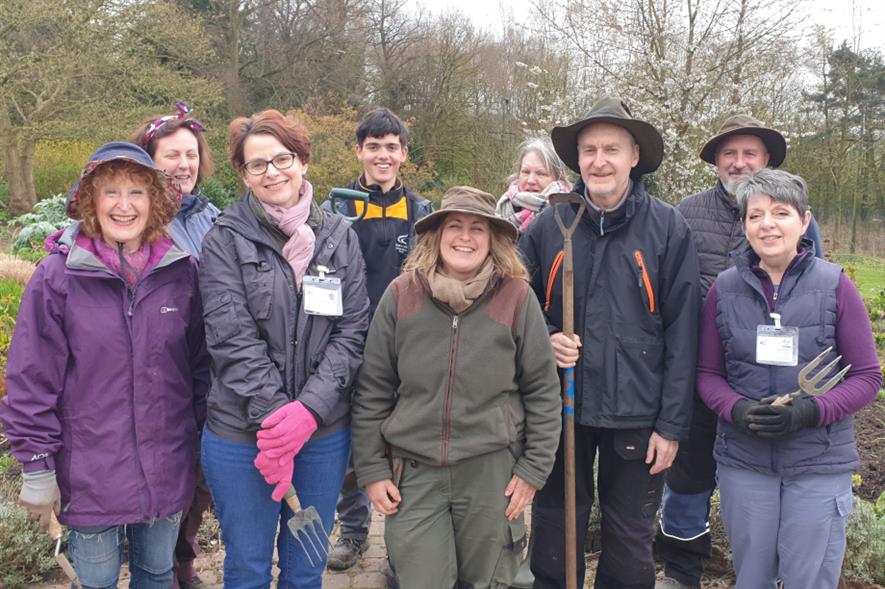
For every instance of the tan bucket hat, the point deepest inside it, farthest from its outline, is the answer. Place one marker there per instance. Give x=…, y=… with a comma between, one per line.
x=609, y=109
x=743, y=124
x=466, y=199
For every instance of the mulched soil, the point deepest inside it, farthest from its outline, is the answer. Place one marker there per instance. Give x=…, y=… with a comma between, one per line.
x=869, y=431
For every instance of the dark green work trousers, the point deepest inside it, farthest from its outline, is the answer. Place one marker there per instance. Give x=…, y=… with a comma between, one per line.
x=450, y=530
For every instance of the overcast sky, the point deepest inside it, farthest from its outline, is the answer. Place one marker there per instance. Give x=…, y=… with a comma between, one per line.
x=846, y=18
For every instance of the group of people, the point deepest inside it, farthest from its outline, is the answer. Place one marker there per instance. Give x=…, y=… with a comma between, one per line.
x=168, y=355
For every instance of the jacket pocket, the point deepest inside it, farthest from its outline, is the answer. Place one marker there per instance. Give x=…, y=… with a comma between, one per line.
x=514, y=543
x=640, y=368
x=220, y=316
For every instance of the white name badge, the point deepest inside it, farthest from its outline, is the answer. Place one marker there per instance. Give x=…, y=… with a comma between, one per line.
x=777, y=345
x=322, y=296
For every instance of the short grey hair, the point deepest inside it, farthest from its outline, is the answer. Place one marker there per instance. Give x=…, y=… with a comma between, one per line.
x=543, y=147
x=781, y=186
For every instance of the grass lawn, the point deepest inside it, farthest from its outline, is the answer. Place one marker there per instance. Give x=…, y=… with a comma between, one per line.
x=867, y=272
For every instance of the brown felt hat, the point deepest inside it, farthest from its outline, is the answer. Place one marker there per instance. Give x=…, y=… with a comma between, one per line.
x=609, y=109
x=466, y=199
x=747, y=125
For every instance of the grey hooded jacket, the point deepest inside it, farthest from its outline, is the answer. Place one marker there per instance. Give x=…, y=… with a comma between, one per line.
x=265, y=350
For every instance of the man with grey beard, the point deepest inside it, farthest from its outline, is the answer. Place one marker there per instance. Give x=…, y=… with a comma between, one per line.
x=742, y=147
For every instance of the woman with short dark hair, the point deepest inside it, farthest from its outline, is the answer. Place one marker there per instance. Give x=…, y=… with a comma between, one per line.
x=784, y=459
x=286, y=316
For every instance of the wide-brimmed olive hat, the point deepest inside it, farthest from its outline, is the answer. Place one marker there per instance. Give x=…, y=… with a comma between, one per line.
x=609, y=109
x=747, y=125
x=466, y=199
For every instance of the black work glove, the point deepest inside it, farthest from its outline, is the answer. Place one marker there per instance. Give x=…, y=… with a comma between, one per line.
x=739, y=414
x=779, y=421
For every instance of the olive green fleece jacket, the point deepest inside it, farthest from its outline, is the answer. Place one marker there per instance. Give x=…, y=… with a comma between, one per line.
x=441, y=387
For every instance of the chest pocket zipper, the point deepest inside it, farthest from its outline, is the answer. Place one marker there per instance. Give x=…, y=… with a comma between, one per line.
x=640, y=263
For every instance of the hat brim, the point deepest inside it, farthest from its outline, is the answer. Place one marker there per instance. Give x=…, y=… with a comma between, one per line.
x=651, y=144
x=774, y=143
x=433, y=220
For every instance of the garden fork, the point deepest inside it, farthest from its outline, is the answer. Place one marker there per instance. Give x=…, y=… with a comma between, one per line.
x=307, y=522
x=810, y=385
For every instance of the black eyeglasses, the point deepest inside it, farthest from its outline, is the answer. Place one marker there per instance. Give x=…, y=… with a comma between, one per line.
x=282, y=161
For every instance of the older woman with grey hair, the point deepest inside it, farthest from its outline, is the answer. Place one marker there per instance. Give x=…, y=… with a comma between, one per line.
x=784, y=461
x=538, y=174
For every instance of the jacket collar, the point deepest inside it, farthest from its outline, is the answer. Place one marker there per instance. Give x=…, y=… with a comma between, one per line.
x=613, y=220
x=376, y=194
x=243, y=218
x=192, y=203
x=82, y=260
x=722, y=194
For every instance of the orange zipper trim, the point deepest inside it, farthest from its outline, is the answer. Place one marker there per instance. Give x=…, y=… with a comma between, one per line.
x=557, y=262
x=651, y=293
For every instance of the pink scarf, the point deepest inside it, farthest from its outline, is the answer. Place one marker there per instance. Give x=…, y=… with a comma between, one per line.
x=298, y=251
x=135, y=264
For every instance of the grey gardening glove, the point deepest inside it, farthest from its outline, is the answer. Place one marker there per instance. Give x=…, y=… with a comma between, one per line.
x=40, y=496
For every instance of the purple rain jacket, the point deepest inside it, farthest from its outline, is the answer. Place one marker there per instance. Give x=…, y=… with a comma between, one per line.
x=107, y=384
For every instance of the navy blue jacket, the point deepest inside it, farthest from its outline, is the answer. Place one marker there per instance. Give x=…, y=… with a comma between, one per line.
x=636, y=304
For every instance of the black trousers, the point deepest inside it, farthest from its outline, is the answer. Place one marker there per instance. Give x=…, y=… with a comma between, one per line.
x=628, y=498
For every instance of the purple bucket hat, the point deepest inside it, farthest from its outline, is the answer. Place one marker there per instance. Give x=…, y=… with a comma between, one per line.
x=119, y=150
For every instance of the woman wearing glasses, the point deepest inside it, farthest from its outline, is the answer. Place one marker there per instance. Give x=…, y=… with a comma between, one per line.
x=286, y=314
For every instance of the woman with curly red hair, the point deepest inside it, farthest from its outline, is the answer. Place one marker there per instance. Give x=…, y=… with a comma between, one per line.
x=107, y=373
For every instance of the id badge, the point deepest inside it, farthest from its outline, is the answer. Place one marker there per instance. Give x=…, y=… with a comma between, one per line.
x=777, y=345
x=322, y=296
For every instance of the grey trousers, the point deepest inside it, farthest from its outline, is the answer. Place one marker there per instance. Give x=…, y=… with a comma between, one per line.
x=792, y=528
x=451, y=528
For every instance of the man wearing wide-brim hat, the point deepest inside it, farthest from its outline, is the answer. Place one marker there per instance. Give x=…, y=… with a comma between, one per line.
x=636, y=310
x=743, y=146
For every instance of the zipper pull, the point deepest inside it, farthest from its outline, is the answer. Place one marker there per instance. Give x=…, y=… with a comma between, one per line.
x=455, y=321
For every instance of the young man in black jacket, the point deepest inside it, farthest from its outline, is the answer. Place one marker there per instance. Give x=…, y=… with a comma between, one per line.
x=385, y=234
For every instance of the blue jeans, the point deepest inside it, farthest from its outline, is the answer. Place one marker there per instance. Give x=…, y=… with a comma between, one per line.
x=249, y=517
x=97, y=552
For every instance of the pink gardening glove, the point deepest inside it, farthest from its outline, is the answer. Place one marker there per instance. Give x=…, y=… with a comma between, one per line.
x=275, y=472
x=286, y=430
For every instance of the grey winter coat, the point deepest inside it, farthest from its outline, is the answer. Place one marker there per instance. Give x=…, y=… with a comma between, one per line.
x=265, y=350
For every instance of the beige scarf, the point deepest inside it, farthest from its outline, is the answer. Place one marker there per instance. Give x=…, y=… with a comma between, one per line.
x=460, y=294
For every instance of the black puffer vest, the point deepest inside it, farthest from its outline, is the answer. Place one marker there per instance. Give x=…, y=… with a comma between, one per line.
x=716, y=226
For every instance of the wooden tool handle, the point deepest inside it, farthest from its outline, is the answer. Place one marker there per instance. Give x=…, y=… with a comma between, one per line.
x=292, y=499
x=54, y=527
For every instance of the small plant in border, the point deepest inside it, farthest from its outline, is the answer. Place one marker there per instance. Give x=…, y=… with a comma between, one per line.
x=47, y=217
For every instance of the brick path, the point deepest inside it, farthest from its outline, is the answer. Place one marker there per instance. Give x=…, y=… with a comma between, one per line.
x=367, y=574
